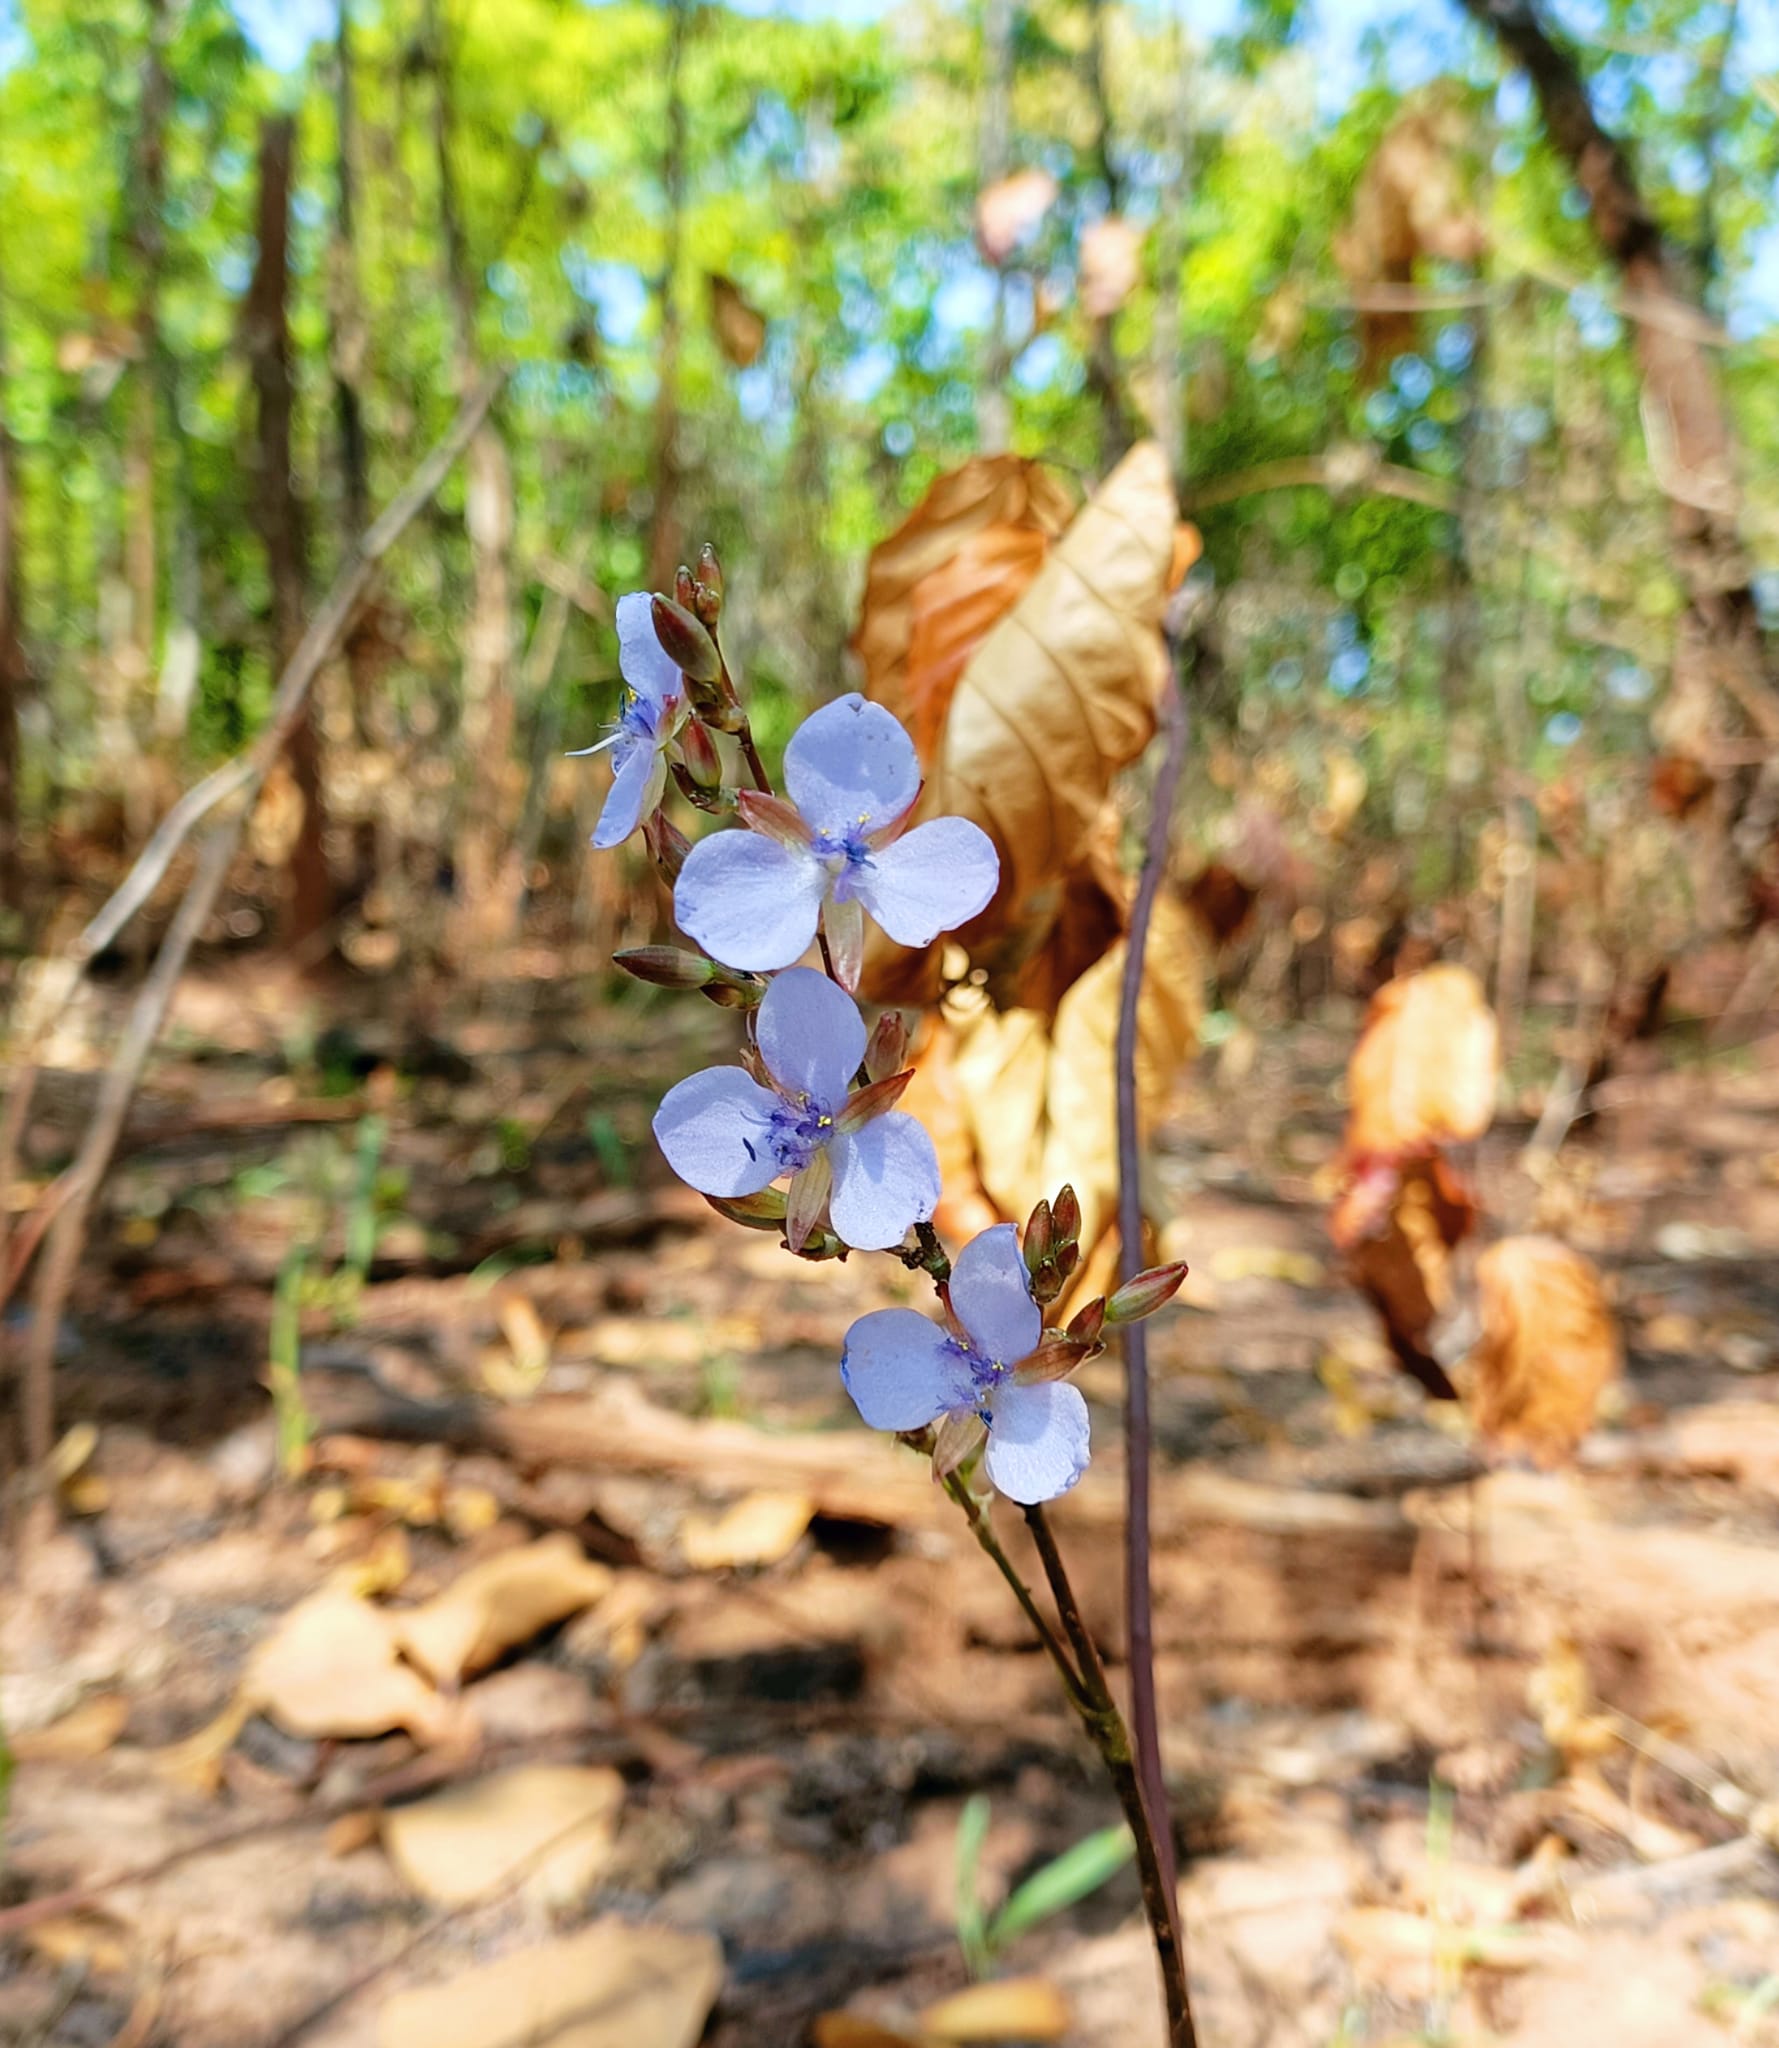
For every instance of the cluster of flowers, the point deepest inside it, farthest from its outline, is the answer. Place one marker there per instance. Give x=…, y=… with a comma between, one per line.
x=812, y=1102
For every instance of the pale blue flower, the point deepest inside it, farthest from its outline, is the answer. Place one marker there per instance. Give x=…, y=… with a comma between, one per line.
x=728, y=1135
x=834, y=852
x=904, y=1372
x=653, y=711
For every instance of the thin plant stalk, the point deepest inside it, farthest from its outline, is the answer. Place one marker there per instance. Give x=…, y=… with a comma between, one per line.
x=1138, y=1592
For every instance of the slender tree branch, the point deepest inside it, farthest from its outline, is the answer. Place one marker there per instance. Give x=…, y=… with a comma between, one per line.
x=1139, y=1601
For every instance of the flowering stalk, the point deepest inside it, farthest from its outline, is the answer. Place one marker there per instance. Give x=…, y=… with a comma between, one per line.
x=984, y=1390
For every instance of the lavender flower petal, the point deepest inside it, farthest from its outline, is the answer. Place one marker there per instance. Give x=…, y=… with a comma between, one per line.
x=992, y=1296
x=639, y=771
x=748, y=901
x=645, y=664
x=811, y=1036
x=886, y=1178
x=929, y=881
x=1038, y=1441
x=851, y=768
x=902, y=1371
x=715, y=1129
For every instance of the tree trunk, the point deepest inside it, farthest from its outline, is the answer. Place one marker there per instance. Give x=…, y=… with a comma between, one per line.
x=280, y=515
x=666, y=543
x=147, y=197
x=1103, y=375
x=1172, y=246
x=487, y=885
x=14, y=669
x=346, y=348
x=994, y=159
x=1691, y=446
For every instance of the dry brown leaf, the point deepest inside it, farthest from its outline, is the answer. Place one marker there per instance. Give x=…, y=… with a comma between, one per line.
x=1058, y=698
x=88, y=1731
x=553, y=1822
x=1038, y=1094
x=1011, y=209
x=950, y=571
x=759, y=1529
x=1013, y=2009
x=1549, y=1349
x=353, y=1831
x=1111, y=262
x=610, y=1985
x=855, y=2030
x=740, y=328
x=1398, y=1227
x=498, y=1604
x=332, y=1668
x=1426, y=1066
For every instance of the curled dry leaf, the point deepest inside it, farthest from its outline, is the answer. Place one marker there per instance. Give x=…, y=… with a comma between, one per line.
x=1549, y=1349
x=1111, y=261
x=1037, y=1096
x=1011, y=209
x=1398, y=1227
x=947, y=575
x=497, y=1605
x=609, y=1985
x=1058, y=698
x=332, y=1667
x=1426, y=1066
x=759, y=1529
x=551, y=1823
x=1011, y=2009
x=739, y=327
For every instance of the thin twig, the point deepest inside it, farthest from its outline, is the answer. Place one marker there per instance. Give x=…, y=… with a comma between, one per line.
x=67, y=1233
x=1139, y=1598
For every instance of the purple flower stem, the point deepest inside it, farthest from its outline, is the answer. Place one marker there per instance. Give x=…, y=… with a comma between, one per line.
x=1139, y=1597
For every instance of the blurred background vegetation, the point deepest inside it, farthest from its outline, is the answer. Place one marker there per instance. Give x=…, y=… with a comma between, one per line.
x=1490, y=512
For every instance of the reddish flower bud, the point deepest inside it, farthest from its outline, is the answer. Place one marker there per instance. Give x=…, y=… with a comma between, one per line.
x=1089, y=1321
x=699, y=752
x=667, y=966
x=1037, y=1240
x=684, y=589
x=1151, y=1289
x=886, y=1051
x=1065, y=1215
x=667, y=845
x=707, y=599
x=1068, y=1254
x=685, y=641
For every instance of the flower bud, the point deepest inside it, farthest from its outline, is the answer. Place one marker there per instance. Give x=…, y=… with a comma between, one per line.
x=1089, y=1321
x=667, y=845
x=1142, y=1296
x=886, y=1050
x=1068, y=1254
x=764, y=1211
x=684, y=590
x=730, y=989
x=699, y=752
x=667, y=966
x=1065, y=1216
x=707, y=599
x=685, y=641
x=1036, y=1242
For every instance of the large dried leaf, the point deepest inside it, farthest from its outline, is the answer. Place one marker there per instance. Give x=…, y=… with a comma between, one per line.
x=332, y=1667
x=1549, y=1349
x=1037, y=1095
x=1056, y=700
x=610, y=1985
x=1011, y=2009
x=551, y=1824
x=759, y=1529
x=947, y=575
x=1425, y=1070
x=498, y=1604
x=1398, y=1227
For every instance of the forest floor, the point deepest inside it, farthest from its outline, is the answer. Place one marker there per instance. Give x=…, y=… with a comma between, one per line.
x=1453, y=1760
